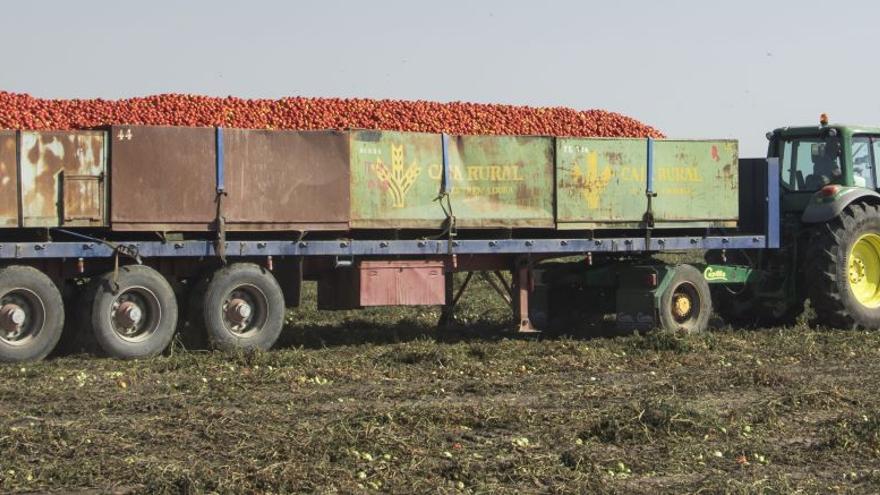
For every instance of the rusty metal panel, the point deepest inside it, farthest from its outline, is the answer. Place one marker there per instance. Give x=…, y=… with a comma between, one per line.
x=83, y=199
x=501, y=181
x=697, y=183
x=163, y=178
x=8, y=179
x=286, y=180
x=62, y=178
x=402, y=283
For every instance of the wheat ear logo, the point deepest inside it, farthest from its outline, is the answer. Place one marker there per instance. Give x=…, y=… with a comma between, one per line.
x=591, y=181
x=400, y=178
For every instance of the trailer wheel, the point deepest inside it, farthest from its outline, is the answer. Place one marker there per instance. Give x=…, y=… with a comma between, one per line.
x=132, y=314
x=242, y=308
x=843, y=269
x=31, y=314
x=686, y=303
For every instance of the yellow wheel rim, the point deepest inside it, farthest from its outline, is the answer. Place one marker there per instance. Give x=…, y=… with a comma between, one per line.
x=681, y=305
x=864, y=270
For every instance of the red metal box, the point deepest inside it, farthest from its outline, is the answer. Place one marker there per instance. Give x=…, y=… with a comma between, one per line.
x=384, y=283
x=402, y=283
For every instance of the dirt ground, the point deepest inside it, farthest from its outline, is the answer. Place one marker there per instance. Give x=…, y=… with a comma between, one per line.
x=379, y=401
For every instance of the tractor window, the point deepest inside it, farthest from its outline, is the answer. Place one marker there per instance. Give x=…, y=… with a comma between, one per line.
x=809, y=163
x=863, y=163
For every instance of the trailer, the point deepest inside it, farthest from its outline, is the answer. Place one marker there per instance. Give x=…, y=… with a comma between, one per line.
x=128, y=232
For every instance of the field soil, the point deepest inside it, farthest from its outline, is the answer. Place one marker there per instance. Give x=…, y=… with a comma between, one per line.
x=379, y=401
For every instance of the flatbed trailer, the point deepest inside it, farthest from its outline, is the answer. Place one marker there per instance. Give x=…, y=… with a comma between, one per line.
x=127, y=287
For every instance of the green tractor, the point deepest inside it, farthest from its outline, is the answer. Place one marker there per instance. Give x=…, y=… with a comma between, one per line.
x=830, y=234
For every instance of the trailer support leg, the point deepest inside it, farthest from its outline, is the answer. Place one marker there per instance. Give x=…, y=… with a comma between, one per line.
x=523, y=288
x=452, y=297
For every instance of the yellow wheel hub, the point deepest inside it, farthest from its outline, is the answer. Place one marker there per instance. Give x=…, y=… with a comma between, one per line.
x=864, y=270
x=681, y=305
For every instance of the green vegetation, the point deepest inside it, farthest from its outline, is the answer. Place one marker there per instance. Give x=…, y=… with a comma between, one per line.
x=378, y=401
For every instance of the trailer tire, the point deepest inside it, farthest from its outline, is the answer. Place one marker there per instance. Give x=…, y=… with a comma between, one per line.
x=242, y=308
x=131, y=314
x=31, y=314
x=843, y=269
x=686, y=303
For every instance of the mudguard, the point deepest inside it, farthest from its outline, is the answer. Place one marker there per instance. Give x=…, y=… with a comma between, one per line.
x=823, y=207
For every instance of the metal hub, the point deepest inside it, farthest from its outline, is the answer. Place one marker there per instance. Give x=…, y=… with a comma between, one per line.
x=245, y=310
x=681, y=305
x=129, y=314
x=238, y=311
x=856, y=270
x=22, y=315
x=12, y=318
x=685, y=304
x=863, y=270
x=135, y=314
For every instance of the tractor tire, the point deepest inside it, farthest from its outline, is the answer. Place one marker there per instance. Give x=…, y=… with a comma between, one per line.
x=843, y=269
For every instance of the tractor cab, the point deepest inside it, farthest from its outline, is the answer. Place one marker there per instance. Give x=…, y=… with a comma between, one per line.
x=819, y=162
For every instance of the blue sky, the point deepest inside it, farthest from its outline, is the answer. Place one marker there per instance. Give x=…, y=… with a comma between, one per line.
x=695, y=69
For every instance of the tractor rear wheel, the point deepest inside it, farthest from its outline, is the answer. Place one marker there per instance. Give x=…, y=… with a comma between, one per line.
x=843, y=269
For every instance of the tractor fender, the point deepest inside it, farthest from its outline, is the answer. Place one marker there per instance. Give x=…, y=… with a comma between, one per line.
x=823, y=207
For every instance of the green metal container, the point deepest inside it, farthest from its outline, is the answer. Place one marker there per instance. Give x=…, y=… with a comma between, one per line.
x=602, y=183
x=496, y=181
x=502, y=181
x=696, y=183
x=393, y=180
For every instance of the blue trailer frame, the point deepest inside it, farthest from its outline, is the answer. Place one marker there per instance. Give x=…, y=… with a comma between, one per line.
x=96, y=248
x=373, y=248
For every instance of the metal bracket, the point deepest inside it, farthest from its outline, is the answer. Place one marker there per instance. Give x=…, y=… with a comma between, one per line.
x=220, y=246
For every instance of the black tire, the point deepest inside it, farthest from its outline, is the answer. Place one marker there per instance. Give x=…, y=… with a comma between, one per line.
x=31, y=314
x=828, y=265
x=692, y=314
x=242, y=285
x=111, y=308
